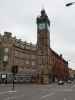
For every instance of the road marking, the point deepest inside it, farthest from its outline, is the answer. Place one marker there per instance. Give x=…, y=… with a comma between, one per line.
x=50, y=94
x=1, y=93
x=65, y=99
x=11, y=91
x=10, y=98
x=14, y=97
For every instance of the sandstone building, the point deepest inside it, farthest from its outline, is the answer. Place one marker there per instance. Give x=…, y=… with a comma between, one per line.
x=39, y=59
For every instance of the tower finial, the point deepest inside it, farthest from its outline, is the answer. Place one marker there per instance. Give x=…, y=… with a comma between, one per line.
x=42, y=8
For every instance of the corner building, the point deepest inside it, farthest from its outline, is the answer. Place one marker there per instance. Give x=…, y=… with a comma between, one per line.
x=39, y=60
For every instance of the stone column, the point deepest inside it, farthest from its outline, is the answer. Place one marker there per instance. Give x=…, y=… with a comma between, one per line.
x=44, y=76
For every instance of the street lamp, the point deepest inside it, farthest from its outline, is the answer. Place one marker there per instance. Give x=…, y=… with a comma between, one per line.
x=14, y=71
x=70, y=4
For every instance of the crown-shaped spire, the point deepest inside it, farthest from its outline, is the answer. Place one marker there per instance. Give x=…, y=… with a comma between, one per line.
x=43, y=12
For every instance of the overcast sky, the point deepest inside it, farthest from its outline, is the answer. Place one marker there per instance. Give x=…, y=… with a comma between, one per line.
x=19, y=17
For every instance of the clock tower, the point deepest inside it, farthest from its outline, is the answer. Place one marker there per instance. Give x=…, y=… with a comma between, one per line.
x=43, y=33
x=43, y=46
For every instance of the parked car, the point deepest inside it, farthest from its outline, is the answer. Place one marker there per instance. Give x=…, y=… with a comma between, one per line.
x=60, y=82
x=69, y=81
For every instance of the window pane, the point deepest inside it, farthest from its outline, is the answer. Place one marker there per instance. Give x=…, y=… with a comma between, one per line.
x=6, y=50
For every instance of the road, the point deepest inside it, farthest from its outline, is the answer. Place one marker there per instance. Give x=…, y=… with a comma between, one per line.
x=37, y=92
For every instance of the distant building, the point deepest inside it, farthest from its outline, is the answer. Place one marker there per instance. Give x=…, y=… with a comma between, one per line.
x=71, y=73
x=39, y=59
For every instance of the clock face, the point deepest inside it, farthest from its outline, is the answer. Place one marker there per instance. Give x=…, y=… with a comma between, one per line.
x=48, y=27
x=41, y=26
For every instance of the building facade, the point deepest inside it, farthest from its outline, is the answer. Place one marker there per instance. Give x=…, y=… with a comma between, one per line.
x=39, y=59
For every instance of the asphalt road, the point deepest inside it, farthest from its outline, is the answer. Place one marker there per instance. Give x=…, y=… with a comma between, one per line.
x=37, y=92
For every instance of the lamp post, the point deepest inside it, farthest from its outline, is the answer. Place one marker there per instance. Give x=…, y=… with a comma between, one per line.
x=14, y=72
x=70, y=4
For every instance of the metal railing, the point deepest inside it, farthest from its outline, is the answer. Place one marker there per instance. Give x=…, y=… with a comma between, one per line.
x=18, y=78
